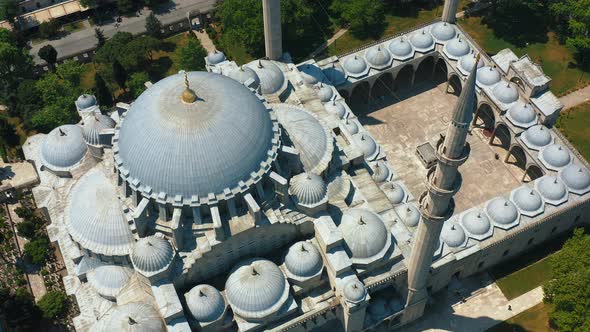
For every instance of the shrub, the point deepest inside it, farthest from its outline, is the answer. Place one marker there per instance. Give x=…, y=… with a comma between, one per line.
x=38, y=250
x=49, y=29
x=53, y=304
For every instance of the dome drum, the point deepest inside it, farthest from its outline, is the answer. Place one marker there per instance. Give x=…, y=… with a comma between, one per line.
x=528, y=201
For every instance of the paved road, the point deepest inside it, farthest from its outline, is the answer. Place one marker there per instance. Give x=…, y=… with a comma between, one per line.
x=84, y=39
x=575, y=98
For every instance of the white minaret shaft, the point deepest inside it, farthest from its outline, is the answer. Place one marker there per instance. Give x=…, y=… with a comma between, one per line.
x=436, y=204
x=450, y=11
x=273, y=40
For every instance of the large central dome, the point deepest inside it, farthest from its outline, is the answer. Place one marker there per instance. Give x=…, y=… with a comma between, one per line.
x=225, y=140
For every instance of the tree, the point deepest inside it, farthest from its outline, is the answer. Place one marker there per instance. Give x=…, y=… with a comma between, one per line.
x=120, y=74
x=8, y=10
x=27, y=101
x=70, y=71
x=49, y=29
x=569, y=290
x=37, y=250
x=154, y=3
x=54, y=304
x=102, y=92
x=192, y=55
x=59, y=96
x=153, y=26
x=26, y=229
x=573, y=24
x=136, y=83
x=100, y=37
x=88, y=3
x=18, y=308
x=125, y=6
x=365, y=17
x=49, y=54
x=15, y=65
x=8, y=135
x=509, y=22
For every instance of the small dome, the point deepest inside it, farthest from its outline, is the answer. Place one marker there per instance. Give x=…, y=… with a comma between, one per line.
x=400, y=47
x=457, y=47
x=576, y=177
x=527, y=199
x=325, y=93
x=152, y=254
x=108, y=280
x=409, y=214
x=215, y=57
x=243, y=74
x=256, y=288
x=303, y=260
x=468, y=61
x=337, y=108
x=310, y=74
x=380, y=172
x=205, y=303
x=63, y=148
x=443, y=31
x=270, y=75
x=131, y=317
x=355, y=65
x=422, y=40
x=93, y=125
x=86, y=101
x=351, y=126
x=506, y=93
x=378, y=57
x=364, y=232
x=394, y=192
x=366, y=143
x=538, y=136
x=522, y=115
x=556, y=156
x=335, y=74
x=551, y=188
x=453, y=235
x=307, y=189
x=488, y=76
x=476, y=222
x=354, y=291
x=502, y=211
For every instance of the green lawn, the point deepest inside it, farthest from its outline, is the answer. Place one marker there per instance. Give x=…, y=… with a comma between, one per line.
x=522, y=281
x=534, y=320
x=575, y=125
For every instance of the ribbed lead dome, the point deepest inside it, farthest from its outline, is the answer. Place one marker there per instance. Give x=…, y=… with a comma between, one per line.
x=215, y=57
x=303, y=259
x=409, y=214
x=488, y=76
x=394, y=192
x=351, y=126
x=505, y=92
x=453, y=235
x=556, y=156
x=108, y=280
x=366, y=143
x=354, y=291
x=527, y=199
x=364, y=233
x=311, y=74
x=325, y=93
x=93, y=124
x=336, y=107
x=476, y=222
x=422, y=40
x=94, y=216
x=378, y=57
x=467, y=62
x=270, y=75
x=380, y=172
x=355, y=65
x=205, y=147
x=86, y=101
x=335, y=74
x=502, y=211
x=63, y=148
x=243, y=74
x=443, y=31
x=522, y=115
x=205, y=303
x=576, y=177
x=152, y=254
x=256, y=288
x=131, y=317
x=400, y=48
x=307, y=189
x=457, y=47
x=537, y=137
x=551, y=188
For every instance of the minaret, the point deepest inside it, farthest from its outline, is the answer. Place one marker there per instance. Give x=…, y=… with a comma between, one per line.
x=273, y=40
x=437, y=204
x=450, y=11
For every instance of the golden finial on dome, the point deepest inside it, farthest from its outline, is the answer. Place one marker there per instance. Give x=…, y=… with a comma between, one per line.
x=188, y=95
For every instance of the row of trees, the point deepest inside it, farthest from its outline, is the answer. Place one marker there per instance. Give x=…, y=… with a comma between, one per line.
x=19, y=310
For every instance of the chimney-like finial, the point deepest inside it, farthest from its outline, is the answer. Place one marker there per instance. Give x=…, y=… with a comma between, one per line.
x=132, y=321
x=188, y=95
x=62, y=133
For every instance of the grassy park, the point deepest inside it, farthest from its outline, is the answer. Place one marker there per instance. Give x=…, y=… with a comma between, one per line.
x=534, y=320
x=526, y=279
x=574, y=124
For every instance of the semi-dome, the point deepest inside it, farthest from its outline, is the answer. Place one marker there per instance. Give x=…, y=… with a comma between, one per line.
x=380, y=172
x=335, y=74
x=556, y=156
x=576, y=178
x=170, y=148
x=205, y=303
x=351, y=126
x=63, y=148
x=336, y=107
x=271, y=76
x=488, y=76
x=366, y=143
x=307, y=189
x=94, y=216
x=422, y=40
x=364, y=232
x=537, y=137
x=457, y=47
x=354, y=291
x=409, y=214
x=453, y=235
x=522, y=114
x=131, y=317
x=152, y=254
x=527, y=199
x=551, y=188
x=325, y=93
x=355, y=65
x=467, y=63
x=400, y=48
x=108, y=280
x=242, y=74
x=310, y=74
x=443, y=31
x=256, y=288
x=303, y=260
x=215, y=57
x=502, y=211
x=476, y=222
x=311, y=137
x=93, y=125
x=378, y=57
x=394, y=192
x=505, y=93
x=86, y=101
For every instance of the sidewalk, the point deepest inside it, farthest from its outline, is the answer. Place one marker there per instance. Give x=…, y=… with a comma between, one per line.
x=206, y=42
x=575, y=98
